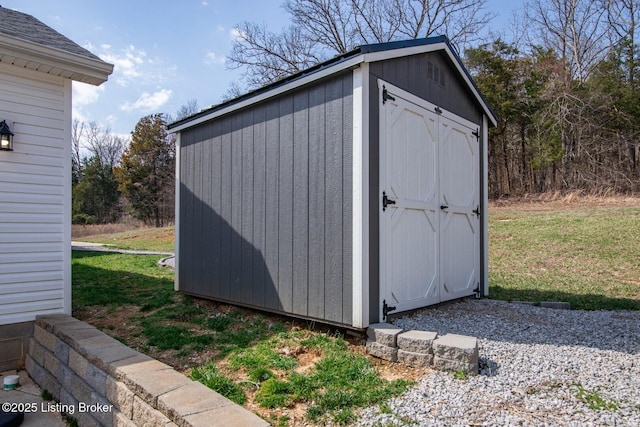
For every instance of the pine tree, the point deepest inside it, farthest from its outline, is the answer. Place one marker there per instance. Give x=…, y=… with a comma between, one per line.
x=146, y=171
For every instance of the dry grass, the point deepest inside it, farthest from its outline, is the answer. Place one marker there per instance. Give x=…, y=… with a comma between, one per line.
x=128, y=237
x=560, y=201
x=78, y=230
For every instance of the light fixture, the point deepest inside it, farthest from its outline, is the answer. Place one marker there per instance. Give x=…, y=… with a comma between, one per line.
x=6, y=137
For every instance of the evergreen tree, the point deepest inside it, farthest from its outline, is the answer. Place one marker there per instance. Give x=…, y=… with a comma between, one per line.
x=95, y=196
x=147, y=169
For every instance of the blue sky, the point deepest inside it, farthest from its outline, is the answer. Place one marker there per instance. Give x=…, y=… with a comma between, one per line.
x=165, y=53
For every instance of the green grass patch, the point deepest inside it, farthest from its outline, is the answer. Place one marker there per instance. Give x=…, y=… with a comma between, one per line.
x=108, y=279
x=337, y=384
x=587, y=257
x=592, y=399
x=210, y=376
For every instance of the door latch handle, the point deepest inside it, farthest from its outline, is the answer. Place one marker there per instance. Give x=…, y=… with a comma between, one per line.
x=386, y=201
x=443, y=207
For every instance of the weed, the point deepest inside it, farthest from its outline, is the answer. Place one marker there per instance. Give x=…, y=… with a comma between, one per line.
x=262, y=355
x=384, y=408
x=218, y=323
x=46, y=395
x=592, y=399
x=274, y=393
x=210, y=376
x=259, y=375
x=344, y=417
x=460, y=374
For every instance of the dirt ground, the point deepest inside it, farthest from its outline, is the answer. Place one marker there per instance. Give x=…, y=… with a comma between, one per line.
x=118, y=323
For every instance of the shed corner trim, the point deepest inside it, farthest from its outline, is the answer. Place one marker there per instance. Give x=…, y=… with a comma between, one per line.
x=361, y=196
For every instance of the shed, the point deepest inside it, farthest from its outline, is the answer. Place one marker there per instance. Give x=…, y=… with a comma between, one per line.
x=37, y=66
x=340, y=194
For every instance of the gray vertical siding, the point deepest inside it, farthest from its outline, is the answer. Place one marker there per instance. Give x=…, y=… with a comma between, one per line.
x=410, y=73
x=266, y=204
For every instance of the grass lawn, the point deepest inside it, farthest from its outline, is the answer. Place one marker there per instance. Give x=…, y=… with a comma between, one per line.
x=286, y=371
x=291, y=373
x=589, y=257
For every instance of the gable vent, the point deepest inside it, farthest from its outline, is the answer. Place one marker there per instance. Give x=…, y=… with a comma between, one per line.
x=435, y=74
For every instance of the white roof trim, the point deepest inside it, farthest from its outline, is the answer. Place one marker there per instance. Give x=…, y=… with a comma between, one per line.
x=53, y=61
x=340, y=66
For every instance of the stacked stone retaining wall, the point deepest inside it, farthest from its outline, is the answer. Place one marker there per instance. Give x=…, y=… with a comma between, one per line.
x=99, y=381
x=449, y=352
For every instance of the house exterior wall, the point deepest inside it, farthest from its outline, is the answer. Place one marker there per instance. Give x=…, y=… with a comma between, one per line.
x=265, y=204
x=410, y=73
x=35, y=196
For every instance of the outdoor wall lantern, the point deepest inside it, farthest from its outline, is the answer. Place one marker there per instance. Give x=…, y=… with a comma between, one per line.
x=6, y=137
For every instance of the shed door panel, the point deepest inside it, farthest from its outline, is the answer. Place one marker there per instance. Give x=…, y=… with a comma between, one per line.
x=413, y=220
x=459, y=231
x=430, y=236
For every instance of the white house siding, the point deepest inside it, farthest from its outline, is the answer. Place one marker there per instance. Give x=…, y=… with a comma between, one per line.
x=35, y=196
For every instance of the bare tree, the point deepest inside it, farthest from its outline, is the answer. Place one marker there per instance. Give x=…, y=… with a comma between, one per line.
x=575, y=29
x=191, y=107
x=321, y=29
x=104, y=145
x=624, y=20
x=77, y=134
x=267, y=56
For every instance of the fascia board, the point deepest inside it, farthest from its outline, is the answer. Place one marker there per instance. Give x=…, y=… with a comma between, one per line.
x=55, y=61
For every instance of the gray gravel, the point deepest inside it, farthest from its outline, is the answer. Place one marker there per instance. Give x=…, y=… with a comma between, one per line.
x=539, y=366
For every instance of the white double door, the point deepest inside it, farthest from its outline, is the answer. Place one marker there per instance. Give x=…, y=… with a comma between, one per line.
x=430, y=236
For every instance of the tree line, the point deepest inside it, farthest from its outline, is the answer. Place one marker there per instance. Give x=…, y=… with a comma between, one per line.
x=113, y=177
x=564, y=87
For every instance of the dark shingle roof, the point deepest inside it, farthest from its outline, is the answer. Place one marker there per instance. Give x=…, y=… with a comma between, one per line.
x=26, y=27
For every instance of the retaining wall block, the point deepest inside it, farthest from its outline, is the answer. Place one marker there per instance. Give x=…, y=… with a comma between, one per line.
x=145, y=415
x=384, y=334
x=78, y=363
x=453, y=352
x=416, y=360
x=120, y=420
x=120, y=396
x=417, y=341
x=97, y=379
x=382, y=351
x=62, y=352
x=455, y=365
x=46, y=339
x=36, y=350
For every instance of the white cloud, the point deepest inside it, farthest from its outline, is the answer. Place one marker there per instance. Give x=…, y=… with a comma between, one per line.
x=237, y=34
x=205, y=3
x=83, y=95
x=148, y=102
x=213, y=58
x=127, y=63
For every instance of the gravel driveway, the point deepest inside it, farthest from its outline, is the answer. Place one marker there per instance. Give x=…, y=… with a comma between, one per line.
x=539, y=366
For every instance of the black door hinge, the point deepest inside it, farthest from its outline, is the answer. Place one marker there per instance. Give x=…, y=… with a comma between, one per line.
x=476, y=133
x=477, y=211
x=438, y=110
x=477, y=290
x=386, y=310
x=386, y=96
x=386, y=201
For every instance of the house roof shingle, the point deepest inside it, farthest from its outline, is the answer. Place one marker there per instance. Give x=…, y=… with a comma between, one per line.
x=28, y=42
